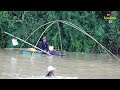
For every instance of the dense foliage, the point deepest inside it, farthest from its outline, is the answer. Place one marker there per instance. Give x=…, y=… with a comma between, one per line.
x=23, y=23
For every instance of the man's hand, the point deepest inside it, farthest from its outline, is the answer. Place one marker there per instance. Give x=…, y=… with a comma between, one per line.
x=48, y=52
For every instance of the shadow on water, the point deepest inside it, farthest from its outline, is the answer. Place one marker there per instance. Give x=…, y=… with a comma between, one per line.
x=73, y=65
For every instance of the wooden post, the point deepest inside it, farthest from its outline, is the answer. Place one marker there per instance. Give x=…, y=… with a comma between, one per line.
x=59, y=36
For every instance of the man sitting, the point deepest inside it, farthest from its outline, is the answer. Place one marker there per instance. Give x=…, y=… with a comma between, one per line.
x=44, y=45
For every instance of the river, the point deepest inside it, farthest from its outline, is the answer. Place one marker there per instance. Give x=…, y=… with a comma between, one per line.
x=71, y=66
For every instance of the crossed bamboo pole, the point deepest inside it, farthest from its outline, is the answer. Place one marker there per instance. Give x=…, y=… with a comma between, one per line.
x=42, y=35
x=27, y=42
x=68, y=23
x=33, y=33
x=78, y=28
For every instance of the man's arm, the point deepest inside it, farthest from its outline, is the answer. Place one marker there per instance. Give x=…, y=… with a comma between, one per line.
x=47, y=47
x=40, y=45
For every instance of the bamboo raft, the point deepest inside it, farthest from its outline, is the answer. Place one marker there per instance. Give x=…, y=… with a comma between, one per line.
x=30, y=51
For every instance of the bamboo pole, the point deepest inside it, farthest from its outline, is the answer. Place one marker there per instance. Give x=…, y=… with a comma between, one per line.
x=42, y=35
x=26, y=42
x=76, y=27
x=33, y=33
x=59, y=36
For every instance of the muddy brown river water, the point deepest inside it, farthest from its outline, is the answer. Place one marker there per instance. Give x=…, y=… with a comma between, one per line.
x=72, y=66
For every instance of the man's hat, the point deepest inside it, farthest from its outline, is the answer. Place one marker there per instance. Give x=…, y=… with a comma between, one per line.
x=50, y=68
x=44, y=37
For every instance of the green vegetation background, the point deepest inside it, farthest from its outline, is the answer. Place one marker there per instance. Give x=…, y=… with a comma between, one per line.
x=22, y=23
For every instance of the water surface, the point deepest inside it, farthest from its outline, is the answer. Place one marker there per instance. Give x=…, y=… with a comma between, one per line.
x=73, y=66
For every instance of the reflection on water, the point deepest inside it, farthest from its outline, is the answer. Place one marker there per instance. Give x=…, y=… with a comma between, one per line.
x=71, y=66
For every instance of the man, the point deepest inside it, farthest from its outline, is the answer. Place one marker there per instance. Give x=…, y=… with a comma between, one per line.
x=44, y=45
x=50, y=71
